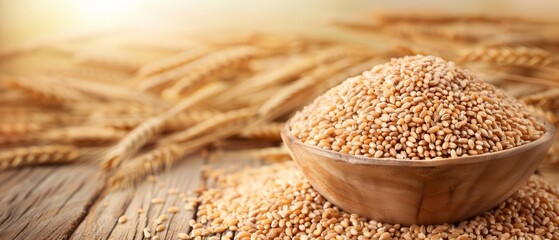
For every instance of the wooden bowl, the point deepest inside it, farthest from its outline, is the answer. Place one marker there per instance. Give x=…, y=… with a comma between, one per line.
x=418, y=192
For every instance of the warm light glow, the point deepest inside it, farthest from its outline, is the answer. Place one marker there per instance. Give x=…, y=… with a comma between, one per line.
x=102, y=12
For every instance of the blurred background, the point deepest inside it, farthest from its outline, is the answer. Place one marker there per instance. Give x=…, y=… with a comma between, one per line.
x=28, y=19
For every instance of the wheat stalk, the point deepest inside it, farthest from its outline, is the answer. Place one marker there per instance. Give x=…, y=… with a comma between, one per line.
x=301, y=90
x=18, y=128
x=443, y=18
x=211, y=124
x=138, y=137
x=269, y=131
x=31, y=156
x=96, y=74
x=214, y=66
x=42, y=89
x=109, y=91
x=145, y=164
x=82, y=135
x=174, y=61
x=527, y=56
x=163, y=157
x=166, y=78
x=112, y=61
x=188, y=118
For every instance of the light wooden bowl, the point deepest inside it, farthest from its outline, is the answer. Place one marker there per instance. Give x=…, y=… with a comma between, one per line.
x=418, y=192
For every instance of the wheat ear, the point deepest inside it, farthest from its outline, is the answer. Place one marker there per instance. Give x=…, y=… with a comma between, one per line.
x=82, y=135
x=213, y=123
x=163, y=157
x=109, y=91
x=38, y=155
x=41, y=88
x=161, y=80
x=212, y=67
x=269, y=131
x=112, y=61
x=174, y=61
x=138, y=137
x=527, y=56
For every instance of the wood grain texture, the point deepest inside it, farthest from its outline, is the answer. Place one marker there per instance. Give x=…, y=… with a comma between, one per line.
x=101, y=222
x=70, y=202
x=46, y=201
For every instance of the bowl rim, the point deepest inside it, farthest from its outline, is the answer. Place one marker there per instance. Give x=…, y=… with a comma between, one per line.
x=361, y=160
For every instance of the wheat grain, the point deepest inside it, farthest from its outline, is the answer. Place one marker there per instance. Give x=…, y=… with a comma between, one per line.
x=277, y=202
x=37, y=155
x=174, y=61
x=122, y=219
x=416, y=108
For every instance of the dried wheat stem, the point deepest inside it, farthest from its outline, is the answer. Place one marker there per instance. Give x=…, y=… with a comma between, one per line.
x=153, y=126
x=82, y=135
x=174, y=61
x=113, y=61
x=110, y=91
x=527, y=56
x=95, y=74
x=213, y=123
x=277, y=104
x=519, y=78
x=132, y=142
x=214, y=66
x=30, y=156
x=164, y=157
x=42, y=89
x=160, y=80
x=188, y=118
x=269, y=131
x=295, y=67
x=147, y=163
x=443, y=18
x=22, y=127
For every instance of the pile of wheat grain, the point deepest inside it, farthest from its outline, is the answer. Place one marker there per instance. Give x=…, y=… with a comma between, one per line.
x=277, y=202
x=416, y=107
x=517, y=54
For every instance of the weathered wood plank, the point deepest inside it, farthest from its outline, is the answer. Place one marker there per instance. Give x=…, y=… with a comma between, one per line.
x=46, y=202
x=101, y=222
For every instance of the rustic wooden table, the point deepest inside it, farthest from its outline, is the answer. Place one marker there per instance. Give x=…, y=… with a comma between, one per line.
x=72, y=201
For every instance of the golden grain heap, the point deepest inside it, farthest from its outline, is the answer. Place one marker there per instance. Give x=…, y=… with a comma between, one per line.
x=416, y=107
x=276, y=201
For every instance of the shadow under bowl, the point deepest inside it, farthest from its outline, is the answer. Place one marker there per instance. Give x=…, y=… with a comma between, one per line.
x=418, y=191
